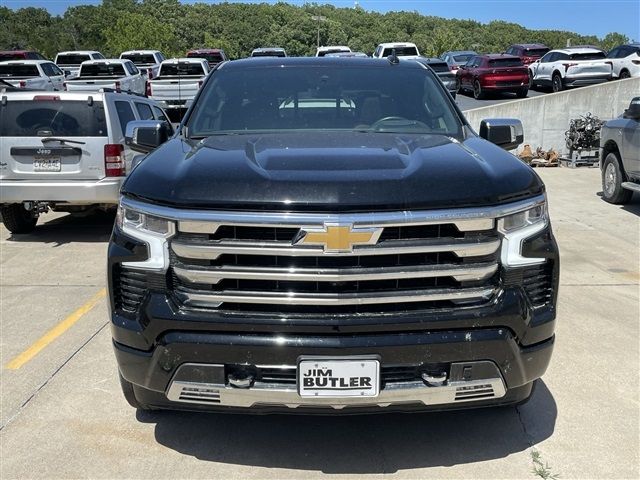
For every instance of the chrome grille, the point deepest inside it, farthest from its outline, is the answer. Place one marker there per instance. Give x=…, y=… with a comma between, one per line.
x=428, y=264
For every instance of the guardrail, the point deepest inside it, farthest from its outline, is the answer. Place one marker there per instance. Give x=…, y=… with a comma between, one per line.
x=545, y=118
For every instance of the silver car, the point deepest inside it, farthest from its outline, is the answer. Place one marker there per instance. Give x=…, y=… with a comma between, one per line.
x=620, y=155
x=65, y=151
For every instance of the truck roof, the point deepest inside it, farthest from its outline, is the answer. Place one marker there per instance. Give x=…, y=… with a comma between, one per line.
x=24, y=62
x=205, y=50
x=397, y=44
x=143, y=52
x=78, y=52
x=258, y=62
x=185, y=60
x=107, y=61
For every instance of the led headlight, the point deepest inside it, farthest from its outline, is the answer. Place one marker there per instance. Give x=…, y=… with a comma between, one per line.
x=516, y=228
x=154, y=231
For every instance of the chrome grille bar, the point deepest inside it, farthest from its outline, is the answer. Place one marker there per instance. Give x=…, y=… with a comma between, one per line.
x=211, y=251
x=214, y=275
x=196, y=299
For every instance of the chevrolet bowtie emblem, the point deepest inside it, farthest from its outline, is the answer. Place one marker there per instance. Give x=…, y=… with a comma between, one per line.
x=337, y=238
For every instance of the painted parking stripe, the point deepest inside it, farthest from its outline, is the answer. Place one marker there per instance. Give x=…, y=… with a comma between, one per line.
x=55, y=332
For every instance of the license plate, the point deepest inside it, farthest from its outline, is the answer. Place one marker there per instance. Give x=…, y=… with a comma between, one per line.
x=320, y=377
x=48, y=164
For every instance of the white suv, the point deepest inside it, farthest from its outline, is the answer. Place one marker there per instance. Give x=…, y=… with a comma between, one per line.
x=570, y=67
x=625, y=60
x=65, y=151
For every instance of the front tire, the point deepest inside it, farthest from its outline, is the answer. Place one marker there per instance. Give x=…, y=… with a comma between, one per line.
x=478, y=93
x=612, y=178
x=522, y=93
x=624, y=74
x=556, y=83
x=16, y=219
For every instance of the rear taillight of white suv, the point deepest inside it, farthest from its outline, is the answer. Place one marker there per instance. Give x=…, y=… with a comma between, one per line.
x=147, y=89
x=114, y=165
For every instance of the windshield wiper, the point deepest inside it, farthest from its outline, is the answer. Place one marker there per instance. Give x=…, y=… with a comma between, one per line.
x=61, y=140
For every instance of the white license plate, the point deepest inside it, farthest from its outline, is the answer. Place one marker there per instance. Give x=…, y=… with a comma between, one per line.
x=338, y=377
x=48, y=164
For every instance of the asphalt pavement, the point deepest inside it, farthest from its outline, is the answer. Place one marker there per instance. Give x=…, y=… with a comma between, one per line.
x=63, y=415
x=466, y=101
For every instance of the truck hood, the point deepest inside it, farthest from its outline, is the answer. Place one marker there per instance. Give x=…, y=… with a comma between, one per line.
x=330, y=171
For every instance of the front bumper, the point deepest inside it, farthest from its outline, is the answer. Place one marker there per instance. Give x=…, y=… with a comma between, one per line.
x=80, y=192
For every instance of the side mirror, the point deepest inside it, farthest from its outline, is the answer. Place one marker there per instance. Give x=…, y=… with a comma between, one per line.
x=633, y=112
x=146, y=135
x=504, y=132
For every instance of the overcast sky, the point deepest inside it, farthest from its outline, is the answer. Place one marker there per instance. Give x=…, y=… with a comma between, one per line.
x=588, y=17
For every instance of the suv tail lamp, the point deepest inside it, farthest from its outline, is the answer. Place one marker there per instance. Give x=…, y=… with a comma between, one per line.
x=147, y=89
x=114, y=165
x=118, y=87
x=568, y=65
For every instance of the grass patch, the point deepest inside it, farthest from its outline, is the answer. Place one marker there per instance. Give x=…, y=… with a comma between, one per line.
x=542, y=468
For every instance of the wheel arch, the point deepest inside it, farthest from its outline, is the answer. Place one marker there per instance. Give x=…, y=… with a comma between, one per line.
x=611, y=146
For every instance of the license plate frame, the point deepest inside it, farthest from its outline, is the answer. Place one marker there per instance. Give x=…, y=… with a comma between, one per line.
x=47, y=164
x=347, y=377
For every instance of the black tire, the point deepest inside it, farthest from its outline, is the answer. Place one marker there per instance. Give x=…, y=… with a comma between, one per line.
x=612, y=178
x=531, y=84
x=130, y=395
x=478, y=93
x=522, y=93
x=16, y=219
x=459, y=88
x=556, y=83
x=625, y=74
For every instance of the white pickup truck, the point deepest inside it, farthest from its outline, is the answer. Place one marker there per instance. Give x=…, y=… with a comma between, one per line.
x=178, y=81
x=118, y=75
x=32, y=74
x=147, y=61
x=70, y=61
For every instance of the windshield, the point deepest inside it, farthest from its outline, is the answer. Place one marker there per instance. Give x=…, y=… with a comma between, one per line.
x=535, y=52
x=12, y=56
x=181, y=69
x=505, y=62
x=439, y=67
x=140, y=58
x=587, y=56
x=401, y=51
x=19, y=71
x=462, y=58
x=269, y=53
x=323, y=53
x=71, y=60
x=102, y=70
x=323, y=98
x=50, y=118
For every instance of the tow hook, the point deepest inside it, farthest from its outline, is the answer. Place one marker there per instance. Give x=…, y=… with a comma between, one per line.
x=36, y=208
x=434, y=379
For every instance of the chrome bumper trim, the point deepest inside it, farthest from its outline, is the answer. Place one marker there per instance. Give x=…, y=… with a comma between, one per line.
x=265, y=394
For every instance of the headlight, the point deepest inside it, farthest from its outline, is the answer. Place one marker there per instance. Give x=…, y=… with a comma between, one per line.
x=154, y=231
x=516, y=228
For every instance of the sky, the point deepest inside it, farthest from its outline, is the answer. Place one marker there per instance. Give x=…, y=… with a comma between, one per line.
x=587, y=17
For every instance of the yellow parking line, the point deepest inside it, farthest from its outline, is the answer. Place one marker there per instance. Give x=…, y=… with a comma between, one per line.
x=55, y=332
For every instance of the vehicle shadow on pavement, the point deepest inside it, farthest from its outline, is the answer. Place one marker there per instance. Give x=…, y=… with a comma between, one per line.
x=91, y=228
x=362, y=444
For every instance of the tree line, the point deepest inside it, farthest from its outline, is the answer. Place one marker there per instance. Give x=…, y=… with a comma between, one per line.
x=173, y=28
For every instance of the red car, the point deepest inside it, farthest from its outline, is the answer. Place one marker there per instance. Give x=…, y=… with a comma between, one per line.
x=493, y=73
x=212, y=55
x=8, y=55
x=528, y=52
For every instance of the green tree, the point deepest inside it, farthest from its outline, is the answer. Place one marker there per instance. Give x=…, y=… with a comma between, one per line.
x=137, y=31
x=613, y=39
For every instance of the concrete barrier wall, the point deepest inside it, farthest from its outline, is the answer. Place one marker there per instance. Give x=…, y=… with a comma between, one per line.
x=545, y=118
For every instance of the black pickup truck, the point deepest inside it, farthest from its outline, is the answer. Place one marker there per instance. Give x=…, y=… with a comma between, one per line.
x=330, y=236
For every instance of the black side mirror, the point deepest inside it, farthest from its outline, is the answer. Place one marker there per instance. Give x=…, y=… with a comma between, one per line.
x=147, y=135
x=504, y=132
x=633, y=112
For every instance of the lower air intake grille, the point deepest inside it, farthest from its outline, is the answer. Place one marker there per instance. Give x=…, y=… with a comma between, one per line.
x=475, y=392
x=537, y=282
x=130, y=288
x=199, y=395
